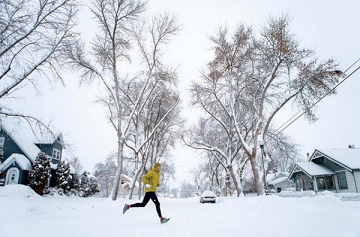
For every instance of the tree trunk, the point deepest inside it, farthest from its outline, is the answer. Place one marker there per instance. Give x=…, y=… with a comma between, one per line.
x=238, y=189
x=120, y=164
x=255, y=172
x=39, y=189
x=135, y=178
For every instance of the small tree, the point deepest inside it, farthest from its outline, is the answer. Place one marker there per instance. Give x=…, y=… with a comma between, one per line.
x=88, y=185
x=105, y=172
x=63, y=177
x=74, y=184
x=40, y=173
x=76, y=163
x=187, y=190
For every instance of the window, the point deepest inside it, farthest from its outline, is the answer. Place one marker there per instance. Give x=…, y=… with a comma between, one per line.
x=342, y=180
x=56, y=154
x=329, y=182
x=320, y=183
x=324, y=182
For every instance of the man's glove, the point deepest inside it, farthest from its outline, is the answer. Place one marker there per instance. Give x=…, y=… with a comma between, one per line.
x=147, y=185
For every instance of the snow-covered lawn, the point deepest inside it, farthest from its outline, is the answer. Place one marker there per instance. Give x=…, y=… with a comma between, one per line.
x=24, y=213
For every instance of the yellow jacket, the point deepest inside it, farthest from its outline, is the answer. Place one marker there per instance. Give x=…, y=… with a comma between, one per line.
x=152, y=177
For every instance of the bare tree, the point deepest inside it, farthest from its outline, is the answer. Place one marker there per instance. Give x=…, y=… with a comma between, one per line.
x=105, y=172
x=216, y=137
x=187, y=190
x=116, y=68
x=253, y=77
x=281, y=152
x=153, y=131
x=167, y=173
x=33, y=35
x=110, y=47
x=205, y=176
x=76, y=164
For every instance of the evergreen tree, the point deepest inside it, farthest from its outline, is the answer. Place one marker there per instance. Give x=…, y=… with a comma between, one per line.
x=93, y=187
x=40, y=173
x=62, y=178
x=88, y=185
x=74, y=184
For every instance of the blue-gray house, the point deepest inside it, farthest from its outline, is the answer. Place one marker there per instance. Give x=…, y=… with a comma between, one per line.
x=19, y=148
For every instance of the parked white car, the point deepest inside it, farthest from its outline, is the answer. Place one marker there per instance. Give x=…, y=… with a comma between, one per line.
x=208, y=196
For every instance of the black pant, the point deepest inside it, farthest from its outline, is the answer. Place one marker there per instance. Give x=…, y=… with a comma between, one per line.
x=148, y=196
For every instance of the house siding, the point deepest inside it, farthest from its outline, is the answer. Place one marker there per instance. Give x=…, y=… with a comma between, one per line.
x=283, y=185
x=10, y=146
x=350, y=182
x=22, y=174
x=48, y=149
x=357, y=177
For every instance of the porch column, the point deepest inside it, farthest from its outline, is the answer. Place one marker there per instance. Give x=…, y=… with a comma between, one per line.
x=315, y=184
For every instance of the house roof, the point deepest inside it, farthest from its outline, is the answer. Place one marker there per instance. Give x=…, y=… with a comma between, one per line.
x=49, y=138
x=27, y=138
x=128, y=180
x=276, y=175
x=23, y=162
x=22, y=139
x=277, y=181
x=312, y=169
x=349, y=158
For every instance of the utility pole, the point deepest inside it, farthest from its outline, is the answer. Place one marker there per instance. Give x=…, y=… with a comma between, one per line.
x=261, y=144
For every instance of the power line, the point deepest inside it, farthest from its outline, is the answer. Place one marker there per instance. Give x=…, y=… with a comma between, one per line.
x=319, y=99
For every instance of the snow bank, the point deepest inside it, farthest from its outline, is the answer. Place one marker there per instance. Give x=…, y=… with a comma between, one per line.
x=17, y=191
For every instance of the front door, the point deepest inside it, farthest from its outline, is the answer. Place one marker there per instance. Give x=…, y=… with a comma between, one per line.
x=12, y=176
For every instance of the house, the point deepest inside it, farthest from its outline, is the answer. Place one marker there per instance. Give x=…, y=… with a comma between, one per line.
x=278, y=181
x=336, y=170
x=125, y=185
x=19, y=148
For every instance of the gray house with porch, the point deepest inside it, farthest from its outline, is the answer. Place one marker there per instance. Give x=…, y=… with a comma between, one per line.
x=336, y=170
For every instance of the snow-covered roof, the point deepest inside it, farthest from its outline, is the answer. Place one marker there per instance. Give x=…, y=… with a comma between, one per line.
x=314, y=169
x=277, y=181
x=23, y=162
x=49, y=139
x=347, y=157
x=126, y=177
x=273, y=176
x=129, y=180
x=22, y=139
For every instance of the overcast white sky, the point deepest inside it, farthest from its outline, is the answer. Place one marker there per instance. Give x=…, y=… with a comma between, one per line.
x=328, y=26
